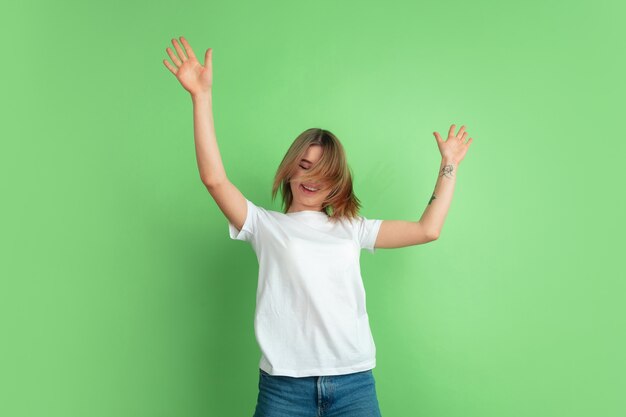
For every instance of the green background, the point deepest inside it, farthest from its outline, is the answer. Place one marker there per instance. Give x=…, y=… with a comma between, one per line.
x=122, y=294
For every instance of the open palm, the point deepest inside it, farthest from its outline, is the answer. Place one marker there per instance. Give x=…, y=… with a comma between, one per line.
x=455, y=147
x=194, y=77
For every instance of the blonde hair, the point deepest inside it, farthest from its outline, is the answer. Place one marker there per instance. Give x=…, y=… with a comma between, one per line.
x=332, y=170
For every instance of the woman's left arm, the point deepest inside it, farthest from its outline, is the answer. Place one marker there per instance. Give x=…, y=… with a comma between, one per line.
x=400, y=233
x=437, y=209
x=452, y=151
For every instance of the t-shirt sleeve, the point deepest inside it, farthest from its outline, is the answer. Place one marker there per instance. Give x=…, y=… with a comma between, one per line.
x=367, y=231
x=250, y=226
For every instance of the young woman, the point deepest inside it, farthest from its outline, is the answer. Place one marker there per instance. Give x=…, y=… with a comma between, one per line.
x=311, y=321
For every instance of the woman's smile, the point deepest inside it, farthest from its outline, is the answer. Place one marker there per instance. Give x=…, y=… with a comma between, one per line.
x=308, y=192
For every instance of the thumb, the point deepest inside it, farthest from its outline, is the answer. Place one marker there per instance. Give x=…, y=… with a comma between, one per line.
x=207, y=57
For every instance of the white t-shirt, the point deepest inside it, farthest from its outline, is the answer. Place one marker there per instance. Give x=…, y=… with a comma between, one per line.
x=310, y=317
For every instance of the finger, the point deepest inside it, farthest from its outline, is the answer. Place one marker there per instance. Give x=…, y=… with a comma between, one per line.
x=469, y=142
x=179, y=50
x=463, y=137
x=173, y=56
x=437, y=137
x=208, y=59
x=451, y=131
x=169, y=66
x=461, y=131
x=188, y=49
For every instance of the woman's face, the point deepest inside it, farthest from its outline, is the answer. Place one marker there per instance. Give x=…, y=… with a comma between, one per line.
x=302, y=198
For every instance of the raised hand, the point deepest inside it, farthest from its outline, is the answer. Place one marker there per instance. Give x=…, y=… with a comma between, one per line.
x=194, y=77
x=455, y=147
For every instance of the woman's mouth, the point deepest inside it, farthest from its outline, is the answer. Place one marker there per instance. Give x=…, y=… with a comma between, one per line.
x=310, y=192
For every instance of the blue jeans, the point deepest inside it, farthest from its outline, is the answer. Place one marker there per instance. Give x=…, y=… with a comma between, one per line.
x=349, y=395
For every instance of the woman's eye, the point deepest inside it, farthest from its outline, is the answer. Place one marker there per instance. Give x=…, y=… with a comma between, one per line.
x=302, y=167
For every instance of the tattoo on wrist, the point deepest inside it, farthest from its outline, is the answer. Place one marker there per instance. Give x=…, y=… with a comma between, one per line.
x=431, y=199
x=447, y=171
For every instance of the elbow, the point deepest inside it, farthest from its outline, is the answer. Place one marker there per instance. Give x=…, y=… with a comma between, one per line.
x=433, y=236
x=212, y=183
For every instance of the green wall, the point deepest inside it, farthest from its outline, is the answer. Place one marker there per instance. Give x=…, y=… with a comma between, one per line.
x=121, y=293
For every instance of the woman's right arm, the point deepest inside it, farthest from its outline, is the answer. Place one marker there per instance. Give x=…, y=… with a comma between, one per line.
x=228, y=197
x=198, y=81
x=207, y=152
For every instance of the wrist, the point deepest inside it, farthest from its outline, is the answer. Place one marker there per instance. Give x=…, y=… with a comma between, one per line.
x=449, y=161
x=202, y=96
